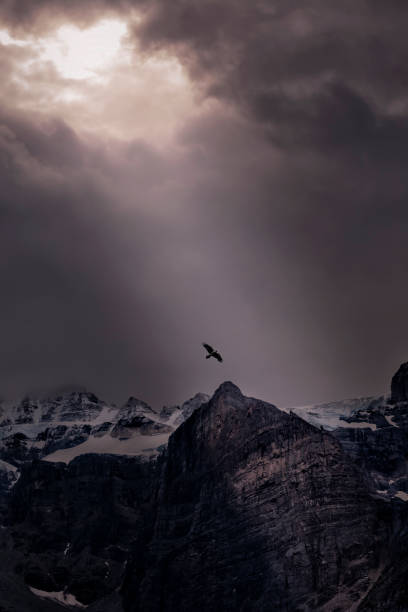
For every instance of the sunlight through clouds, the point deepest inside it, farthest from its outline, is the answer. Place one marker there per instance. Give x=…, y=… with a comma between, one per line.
x=95, y=79
x=80, y=54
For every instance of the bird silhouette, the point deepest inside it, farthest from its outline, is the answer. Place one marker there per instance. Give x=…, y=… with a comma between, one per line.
x=212, y=352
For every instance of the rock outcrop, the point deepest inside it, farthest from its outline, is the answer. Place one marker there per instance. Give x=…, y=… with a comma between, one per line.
x=399, y=384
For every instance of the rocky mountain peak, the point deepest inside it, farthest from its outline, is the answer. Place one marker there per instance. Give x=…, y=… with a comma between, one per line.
x=227, y=388
x=136, y=405
x=249, y=495
x=228, y=419
x=399, y=384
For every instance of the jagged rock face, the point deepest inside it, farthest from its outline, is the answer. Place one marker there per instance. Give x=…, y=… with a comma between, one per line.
x=374, y=433
x=77, y=405
x=257, y=510
x=75, y=525
x=190, y=406
x=381, y=453
x=9, y=475
x=137, y=416
x=399, y=384
x=178, y=414
x=390, y=593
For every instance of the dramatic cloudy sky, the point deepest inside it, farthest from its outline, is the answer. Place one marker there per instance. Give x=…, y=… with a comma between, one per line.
x=233, y=172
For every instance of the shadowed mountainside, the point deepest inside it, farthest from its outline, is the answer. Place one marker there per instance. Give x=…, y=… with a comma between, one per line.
x=257, y=506
x=248, y=508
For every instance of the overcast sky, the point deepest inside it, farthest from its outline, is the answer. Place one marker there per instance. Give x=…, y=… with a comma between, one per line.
x=230, y=172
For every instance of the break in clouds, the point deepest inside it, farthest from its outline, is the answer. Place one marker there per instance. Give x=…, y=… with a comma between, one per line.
x=226, y=172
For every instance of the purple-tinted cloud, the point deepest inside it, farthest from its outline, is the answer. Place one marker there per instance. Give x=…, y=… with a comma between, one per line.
x=272, y=223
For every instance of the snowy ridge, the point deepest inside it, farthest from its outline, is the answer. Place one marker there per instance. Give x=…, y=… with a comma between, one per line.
x=333, y=415
x=384, y=428
x=61, y=428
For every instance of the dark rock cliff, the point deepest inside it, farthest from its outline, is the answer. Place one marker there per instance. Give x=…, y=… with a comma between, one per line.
x=256, y=510
x=399, y=384
x=74, y=526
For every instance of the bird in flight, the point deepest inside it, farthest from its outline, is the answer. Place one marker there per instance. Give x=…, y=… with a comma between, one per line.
x=211, y=352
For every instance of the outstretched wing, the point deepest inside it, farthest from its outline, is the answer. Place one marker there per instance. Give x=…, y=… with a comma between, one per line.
x=217, y=355
x=208, y=347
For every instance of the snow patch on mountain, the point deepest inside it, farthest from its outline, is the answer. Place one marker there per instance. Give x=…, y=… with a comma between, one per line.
x=139, y=445
x=402, y=495
x=61, y=597
x=390, y=420
x=333, y=415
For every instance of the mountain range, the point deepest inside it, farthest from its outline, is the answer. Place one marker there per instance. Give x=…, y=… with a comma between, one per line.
x=223, y=503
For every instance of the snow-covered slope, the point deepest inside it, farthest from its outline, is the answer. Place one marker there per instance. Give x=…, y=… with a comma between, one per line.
x=67, y=425
x=66, y=599
x=332, y=415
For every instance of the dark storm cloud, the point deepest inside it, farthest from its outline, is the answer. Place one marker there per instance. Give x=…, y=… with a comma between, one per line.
x=44, y=14
x=279, y=233
x=285, y=62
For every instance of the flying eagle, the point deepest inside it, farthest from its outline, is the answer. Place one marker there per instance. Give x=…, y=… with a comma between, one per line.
x=211, y=352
